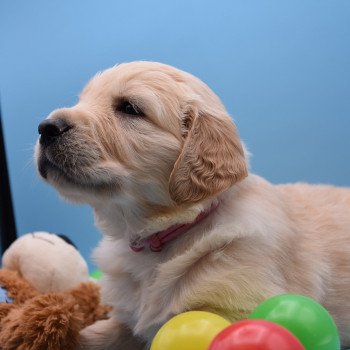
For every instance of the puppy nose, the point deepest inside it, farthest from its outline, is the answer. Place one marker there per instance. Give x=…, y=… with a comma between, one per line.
x=50, y=129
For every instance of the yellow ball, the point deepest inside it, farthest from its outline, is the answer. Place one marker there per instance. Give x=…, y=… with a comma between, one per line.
x=193, y=330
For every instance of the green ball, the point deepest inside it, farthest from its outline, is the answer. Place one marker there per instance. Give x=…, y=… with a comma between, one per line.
x=305, y=318
x=96, y=275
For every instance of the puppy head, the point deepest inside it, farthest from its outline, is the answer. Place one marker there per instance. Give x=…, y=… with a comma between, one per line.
x=144, y=130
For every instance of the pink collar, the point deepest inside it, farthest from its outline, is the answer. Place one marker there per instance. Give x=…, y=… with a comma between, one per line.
x=157, y=241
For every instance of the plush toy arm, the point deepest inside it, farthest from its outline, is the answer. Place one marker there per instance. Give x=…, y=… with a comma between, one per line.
x=87, y=297
x=18, y=289
x=109, y=335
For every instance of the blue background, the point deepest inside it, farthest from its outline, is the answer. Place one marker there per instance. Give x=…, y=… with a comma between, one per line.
x=281, y=67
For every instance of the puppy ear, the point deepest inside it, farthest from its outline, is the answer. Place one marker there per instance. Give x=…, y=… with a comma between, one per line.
x=212, y=158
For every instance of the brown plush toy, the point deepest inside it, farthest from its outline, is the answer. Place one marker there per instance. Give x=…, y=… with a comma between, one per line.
x=33, y=319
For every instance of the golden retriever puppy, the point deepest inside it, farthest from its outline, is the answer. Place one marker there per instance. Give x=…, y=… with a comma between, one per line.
x=186, y=227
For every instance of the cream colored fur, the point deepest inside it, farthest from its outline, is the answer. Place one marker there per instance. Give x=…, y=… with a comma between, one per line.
x=142, y=174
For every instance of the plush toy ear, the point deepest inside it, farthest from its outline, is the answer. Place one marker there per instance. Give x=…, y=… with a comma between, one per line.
x=212, y=158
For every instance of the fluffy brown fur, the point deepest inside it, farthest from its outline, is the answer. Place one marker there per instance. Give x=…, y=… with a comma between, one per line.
x=50, y=321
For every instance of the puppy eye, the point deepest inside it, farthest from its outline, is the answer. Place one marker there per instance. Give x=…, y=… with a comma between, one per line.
x=128, y=108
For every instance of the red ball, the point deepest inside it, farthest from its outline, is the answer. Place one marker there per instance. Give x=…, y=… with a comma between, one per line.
x=255, y=335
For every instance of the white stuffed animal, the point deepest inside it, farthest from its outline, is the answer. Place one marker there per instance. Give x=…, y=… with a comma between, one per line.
x=50, y=263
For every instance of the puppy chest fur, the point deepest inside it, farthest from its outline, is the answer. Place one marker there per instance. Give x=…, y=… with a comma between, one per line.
x=234, y=262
